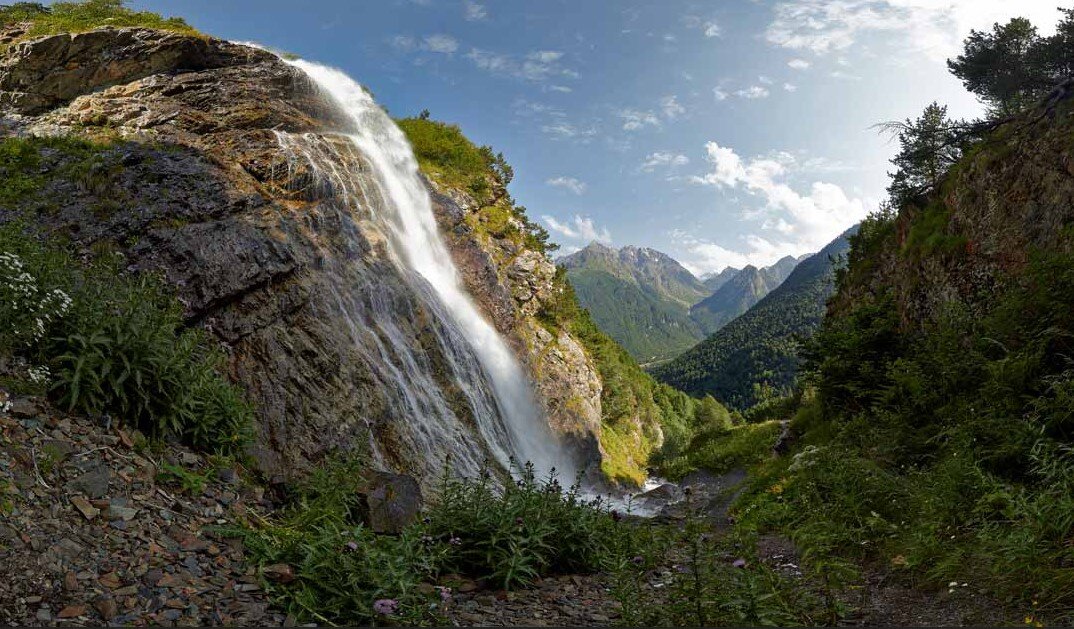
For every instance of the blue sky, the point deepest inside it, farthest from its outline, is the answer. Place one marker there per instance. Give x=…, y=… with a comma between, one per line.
x=722, y=132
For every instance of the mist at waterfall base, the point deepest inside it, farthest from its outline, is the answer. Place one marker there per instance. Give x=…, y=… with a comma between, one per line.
x=390, y=192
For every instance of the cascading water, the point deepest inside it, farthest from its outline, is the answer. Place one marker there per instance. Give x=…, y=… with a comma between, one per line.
x=370, y=167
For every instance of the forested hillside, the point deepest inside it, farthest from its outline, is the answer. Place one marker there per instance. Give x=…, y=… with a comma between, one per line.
x=936, y=437
x=739, y=293
x=653, y=306
x=755, y=356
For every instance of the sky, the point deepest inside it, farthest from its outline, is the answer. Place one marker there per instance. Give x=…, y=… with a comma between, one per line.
x=721, y=132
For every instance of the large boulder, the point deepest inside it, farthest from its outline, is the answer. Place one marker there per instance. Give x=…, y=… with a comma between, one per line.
x=390, y=501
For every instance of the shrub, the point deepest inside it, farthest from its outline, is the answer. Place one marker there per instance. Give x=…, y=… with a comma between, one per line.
x=114, y=343
x=507, y=536
x=73, y=17
x=528, y=529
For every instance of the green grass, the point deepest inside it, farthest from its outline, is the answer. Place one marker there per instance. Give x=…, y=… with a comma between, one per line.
x=75, y=17
x=721, y=451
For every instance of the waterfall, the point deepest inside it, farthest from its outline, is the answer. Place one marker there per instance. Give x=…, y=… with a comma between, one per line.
x=369, y=165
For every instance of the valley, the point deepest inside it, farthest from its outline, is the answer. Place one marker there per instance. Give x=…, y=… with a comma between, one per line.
x=273, y=353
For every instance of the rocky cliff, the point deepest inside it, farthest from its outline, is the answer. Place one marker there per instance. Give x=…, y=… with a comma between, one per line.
x=191, y=182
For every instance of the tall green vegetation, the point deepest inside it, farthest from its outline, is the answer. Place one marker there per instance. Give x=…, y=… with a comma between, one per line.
x=96, y=338
x=74, y=17
x=940, y=446
x=452, y=160
x=1012, y=67
x=343, y=573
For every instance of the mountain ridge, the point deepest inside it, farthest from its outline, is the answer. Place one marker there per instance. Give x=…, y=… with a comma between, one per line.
x=760, y=346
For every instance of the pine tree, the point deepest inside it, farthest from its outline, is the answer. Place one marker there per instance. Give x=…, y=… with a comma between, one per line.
x=1006, y=68
x=928, y=146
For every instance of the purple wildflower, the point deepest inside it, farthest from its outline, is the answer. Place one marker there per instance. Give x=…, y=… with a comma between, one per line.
x=445, y=593
x=637, y=561
x=616, y=516
x=352, y=545
x=739, y=563
x=385, y=606
x=455, y=541
x=519, y=521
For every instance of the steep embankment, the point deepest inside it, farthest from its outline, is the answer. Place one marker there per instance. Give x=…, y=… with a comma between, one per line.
x=330, y=341
x=938, y=444
x=761, y=346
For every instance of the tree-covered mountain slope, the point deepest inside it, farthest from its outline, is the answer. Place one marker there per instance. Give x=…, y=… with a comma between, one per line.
x=739, y=293
x=640, y=297
x=648, y=327
x=653, y=306
x=758, y=351
x=655, y=273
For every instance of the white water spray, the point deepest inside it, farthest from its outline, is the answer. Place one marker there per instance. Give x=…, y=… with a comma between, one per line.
x=400, y=206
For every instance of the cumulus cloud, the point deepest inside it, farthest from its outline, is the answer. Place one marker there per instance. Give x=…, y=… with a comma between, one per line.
x=570, y=183
x=934, y=27
x=790, y=87
x=578, y=228
x=474, y=12
x=798, y=221
x=634, y=119
x=671, y=107
x=719, y=93
x=798, y=64
x=663, y=159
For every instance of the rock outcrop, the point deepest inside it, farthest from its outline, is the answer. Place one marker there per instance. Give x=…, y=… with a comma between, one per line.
x=193, y=184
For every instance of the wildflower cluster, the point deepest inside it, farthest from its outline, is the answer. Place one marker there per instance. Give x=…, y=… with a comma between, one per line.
x=26, y=307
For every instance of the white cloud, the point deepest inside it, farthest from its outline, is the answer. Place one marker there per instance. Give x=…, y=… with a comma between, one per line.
x=802, y=221
x=790, y=87
x=933, y=27
x=404, y=43
x=634, y=119
x=578, y=228
x=753, y=92
x=663, y=159
x=538, y=66
x=570, y=183
x=474, y=12
x=798, y=64
x=568, y=131
x=444, y=44
x=671, y=107
x=708, y=28
x=719, y=93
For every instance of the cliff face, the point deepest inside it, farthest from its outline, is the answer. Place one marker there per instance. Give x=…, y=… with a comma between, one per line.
x=192, y=183
x=1013, y=196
